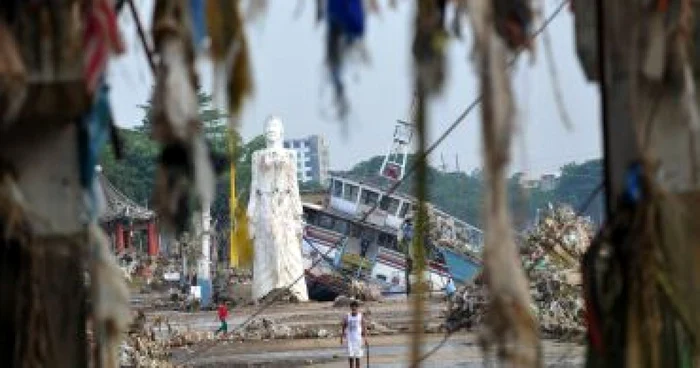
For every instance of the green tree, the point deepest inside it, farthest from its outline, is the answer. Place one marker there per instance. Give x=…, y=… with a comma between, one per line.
x=576, y=185
x=134, y=174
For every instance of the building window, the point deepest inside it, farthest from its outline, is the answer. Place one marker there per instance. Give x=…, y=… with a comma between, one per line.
x=341, y=227
x=326, y=222
x=351, y=192
x=337, y=188
x=369, y=198
x=389, y=205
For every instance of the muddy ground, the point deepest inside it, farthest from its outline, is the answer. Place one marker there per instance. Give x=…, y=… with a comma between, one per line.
x=389, y=342
x=385, y=351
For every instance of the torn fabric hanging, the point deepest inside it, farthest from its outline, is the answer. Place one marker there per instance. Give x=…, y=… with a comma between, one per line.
x=346, y=25
x=513, y=20
x=229, y=51
x=93, y=134
x=13, y=75
x=429, y=46
x=185, y=170
x=199, y=27
x=512, y=328
x=101, y=36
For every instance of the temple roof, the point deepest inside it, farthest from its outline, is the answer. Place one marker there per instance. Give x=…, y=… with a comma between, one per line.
x=119, y=205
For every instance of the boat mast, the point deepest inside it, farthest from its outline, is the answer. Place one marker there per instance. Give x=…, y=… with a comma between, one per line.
x=394, y=164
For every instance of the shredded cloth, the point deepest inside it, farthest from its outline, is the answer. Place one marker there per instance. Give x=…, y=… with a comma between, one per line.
x=511, y=326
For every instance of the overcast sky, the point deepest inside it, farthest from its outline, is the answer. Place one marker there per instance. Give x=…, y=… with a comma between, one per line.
x=287, y=58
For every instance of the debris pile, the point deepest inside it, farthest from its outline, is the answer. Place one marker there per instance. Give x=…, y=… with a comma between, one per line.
x=365, y=291
x=267, y=329
x=551, y=255
x=279, y=296
x=142, y=351
x=444, y=231
x=558, y=242
x=343, y=301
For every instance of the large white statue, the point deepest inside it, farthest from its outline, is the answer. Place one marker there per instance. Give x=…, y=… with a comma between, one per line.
x=275, y=217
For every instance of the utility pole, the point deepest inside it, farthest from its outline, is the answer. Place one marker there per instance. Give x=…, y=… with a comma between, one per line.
x=204, y=266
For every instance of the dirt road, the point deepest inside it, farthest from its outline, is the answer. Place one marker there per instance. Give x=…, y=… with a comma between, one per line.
x=385, y=351
x=389, y=349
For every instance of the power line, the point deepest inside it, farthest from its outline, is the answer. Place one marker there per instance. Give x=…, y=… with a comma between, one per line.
x=465, y=113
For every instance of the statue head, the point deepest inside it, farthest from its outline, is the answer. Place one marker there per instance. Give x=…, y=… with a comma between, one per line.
x=274, y=132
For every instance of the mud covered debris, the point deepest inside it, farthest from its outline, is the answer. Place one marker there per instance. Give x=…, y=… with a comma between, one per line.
x=551, y=255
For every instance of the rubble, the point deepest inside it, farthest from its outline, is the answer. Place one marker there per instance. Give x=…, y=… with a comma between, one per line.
x=365, y=291
x=443, y=231
x=279, y=296
x=343, y=301
x=551, y=255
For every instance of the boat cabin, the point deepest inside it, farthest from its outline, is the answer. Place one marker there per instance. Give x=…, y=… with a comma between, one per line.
x=355, y=198
x=362, y=250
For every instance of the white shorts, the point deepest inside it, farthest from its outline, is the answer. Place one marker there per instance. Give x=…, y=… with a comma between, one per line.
x=355, y=349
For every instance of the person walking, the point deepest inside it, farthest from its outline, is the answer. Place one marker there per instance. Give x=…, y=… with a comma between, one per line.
x=222, y=314
x=354, y=332
x=450, y=291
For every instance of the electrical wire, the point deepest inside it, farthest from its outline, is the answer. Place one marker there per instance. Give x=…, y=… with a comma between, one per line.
x=465, y=113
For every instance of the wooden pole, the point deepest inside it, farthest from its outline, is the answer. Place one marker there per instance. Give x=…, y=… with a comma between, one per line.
x=420, y=230
x=43, y=307
x=619, y=136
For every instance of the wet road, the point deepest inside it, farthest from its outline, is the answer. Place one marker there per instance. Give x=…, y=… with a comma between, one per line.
x=385, y=352
x=389, y=351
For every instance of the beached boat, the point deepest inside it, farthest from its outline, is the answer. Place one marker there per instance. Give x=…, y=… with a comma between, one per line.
x=371, y=249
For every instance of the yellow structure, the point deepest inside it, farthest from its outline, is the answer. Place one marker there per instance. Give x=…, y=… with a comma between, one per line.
x=241, y=247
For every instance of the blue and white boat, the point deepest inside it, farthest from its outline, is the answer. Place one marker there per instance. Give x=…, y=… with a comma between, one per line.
x=370, y=249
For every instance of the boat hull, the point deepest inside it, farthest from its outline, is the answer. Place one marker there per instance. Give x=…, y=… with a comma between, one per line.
x=388, y=270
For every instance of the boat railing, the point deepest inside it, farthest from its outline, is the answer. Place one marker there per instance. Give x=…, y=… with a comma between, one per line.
x=330, y=261
x=329, y=237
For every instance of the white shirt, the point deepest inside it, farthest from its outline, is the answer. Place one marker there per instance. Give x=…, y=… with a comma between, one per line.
x=353, y=331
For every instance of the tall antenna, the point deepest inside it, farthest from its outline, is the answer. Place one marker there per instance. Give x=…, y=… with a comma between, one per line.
x=394, y=164
x=444, y=164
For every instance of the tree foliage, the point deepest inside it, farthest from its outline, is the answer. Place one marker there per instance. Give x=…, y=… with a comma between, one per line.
x=134, y=173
